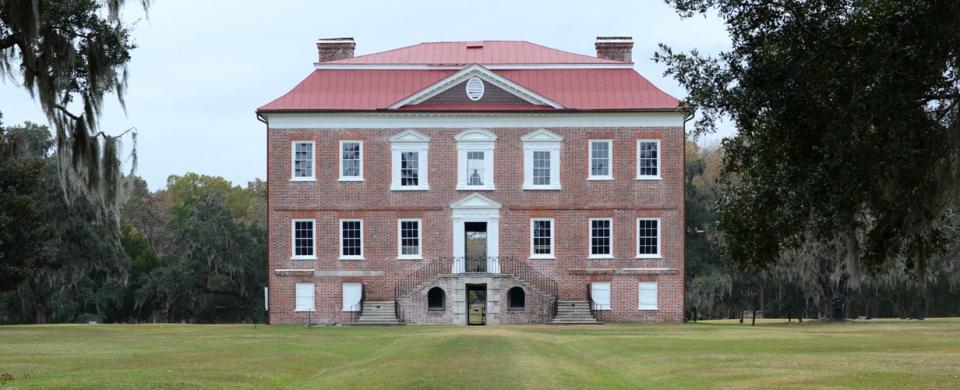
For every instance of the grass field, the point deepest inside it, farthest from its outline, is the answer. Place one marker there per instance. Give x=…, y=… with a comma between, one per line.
x=887, y=354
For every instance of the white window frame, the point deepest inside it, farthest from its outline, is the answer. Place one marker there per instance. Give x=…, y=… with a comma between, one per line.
x=590, y=254
x=609, y=303
x=659, y=165
x=304, y=307
x=656, y=296
x=475, y=140
x=419, y=255
x=410, y=141
x=343, y=296
x=541, y=141
x=293, y=239
x=553, y=239
x=351, y=257
x=293, y=161
x=340, y=163
x=609, y=175
x=657, y=255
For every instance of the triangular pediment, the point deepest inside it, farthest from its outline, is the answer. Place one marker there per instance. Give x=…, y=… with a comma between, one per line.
x=475, y=201
x=409, y=136
x=542, y=135
x=501, y=90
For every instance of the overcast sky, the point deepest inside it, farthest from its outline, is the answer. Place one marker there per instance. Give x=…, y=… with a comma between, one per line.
x=201, y=68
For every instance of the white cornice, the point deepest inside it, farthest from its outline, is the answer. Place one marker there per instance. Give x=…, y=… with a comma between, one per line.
x=328, y=66
x=461, y=120
x=482, y=73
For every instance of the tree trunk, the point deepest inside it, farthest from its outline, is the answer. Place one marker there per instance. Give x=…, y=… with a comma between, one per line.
x=753, y=321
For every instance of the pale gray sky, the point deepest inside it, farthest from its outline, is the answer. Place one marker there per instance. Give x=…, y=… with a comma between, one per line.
x=202, y=67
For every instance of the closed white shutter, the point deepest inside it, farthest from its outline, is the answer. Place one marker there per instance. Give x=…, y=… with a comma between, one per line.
x=648, y=295
x=351, y=296
x=600, y=293
x=305, y=295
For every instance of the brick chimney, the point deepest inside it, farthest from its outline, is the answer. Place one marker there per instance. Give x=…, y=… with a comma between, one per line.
x=332, y=49
x=615, y=48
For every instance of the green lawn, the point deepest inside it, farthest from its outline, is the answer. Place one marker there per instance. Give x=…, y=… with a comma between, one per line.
x=889, y=354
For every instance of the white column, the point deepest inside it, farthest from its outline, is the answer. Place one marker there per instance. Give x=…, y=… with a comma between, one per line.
x=458, y=246
x=493, y=245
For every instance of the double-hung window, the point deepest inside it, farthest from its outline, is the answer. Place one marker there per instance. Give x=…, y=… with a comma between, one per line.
x=601, y=157
x=304, y=239
x=351, y=160
x=475, y=159
x=648, y=237
x=601, y=238
x=648, y=159
x=302, y=159
x=409, y=239
x=541, y=238
x=351, y=239
x=541, y=160
x=409, y=161
x=304, y=297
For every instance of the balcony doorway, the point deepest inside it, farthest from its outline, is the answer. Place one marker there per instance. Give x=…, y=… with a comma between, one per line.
x=475, y=246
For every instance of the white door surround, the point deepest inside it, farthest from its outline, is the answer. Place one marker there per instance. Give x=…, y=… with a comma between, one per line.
x=476, y=208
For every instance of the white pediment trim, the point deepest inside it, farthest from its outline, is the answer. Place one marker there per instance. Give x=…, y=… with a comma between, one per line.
x=475, y=201
x=484, y=74
x=542, y=135
x=476, y=135
x=409, y=136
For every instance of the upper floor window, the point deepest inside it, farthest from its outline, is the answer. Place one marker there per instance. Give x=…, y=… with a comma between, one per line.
x=475, y=159
x=541, y=160
x=648, y=237
x=648, y=159
x=409, y=161
x=601, y=156
x=351, y=160
x=302, y=158
x=541, y=238
x=601, y=238
x=351, y=239
x=304, y=239
x=408, y=239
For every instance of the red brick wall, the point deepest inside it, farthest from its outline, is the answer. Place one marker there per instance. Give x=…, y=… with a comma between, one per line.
x=623, y=199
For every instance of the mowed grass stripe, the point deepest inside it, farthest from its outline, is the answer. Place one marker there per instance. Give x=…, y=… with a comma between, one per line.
x=722, y=354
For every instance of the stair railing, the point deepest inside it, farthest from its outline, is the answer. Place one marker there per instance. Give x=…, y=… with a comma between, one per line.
x=596, y=309
x=415, y=279
x=527, y=274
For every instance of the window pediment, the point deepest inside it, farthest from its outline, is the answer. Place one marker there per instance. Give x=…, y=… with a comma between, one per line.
x=476, y=135
x=409, y=136
x=542, y=135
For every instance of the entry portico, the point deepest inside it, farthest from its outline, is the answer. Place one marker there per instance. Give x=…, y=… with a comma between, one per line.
x=481, y=241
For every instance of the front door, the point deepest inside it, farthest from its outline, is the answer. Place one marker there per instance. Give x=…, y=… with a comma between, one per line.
x=476, y=304
x=475, y=246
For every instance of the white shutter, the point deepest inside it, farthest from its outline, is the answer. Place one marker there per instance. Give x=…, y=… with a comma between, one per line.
x=648, y=296
x=600, y=293
x=304, y=301
x=351, y=296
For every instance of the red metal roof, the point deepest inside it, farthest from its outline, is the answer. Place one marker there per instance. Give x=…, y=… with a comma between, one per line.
x=574, y=88
x=469, y=53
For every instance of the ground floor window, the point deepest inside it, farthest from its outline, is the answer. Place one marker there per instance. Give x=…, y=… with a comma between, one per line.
x=304, y=297
x=517, y=299
x=600, y=295
x=648, y=296
x=435, y=299
x=352, y=296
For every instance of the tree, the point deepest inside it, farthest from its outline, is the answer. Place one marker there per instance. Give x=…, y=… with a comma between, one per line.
x=847, y=115
x=26, y=227
x=70, y=55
